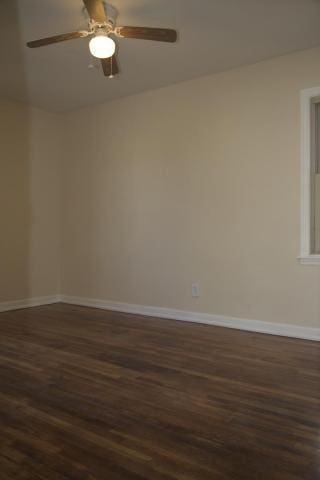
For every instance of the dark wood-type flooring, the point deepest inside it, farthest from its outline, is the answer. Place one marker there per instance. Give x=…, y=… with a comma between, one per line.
x=87, y=394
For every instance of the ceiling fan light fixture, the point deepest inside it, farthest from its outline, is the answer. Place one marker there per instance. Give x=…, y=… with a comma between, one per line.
x=102, y=46
x=102, y=22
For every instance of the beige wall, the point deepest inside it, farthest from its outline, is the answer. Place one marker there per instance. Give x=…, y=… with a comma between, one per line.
x=30, y=151
x=196, y=182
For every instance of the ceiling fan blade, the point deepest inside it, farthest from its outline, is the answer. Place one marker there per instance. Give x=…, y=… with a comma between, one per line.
x=146, y=33
x=56, y=39
x=96, y=10
x=110, y=66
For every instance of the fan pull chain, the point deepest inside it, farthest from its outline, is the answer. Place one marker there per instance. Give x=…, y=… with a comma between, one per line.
x=111, y=68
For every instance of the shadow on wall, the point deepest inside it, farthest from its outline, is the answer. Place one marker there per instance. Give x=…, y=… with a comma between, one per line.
x=14, y=161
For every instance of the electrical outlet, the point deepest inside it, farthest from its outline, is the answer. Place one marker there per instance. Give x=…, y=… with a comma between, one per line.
x=195, y=290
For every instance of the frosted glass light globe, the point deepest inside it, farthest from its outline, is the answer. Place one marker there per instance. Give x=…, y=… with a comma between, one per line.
x=102, y=46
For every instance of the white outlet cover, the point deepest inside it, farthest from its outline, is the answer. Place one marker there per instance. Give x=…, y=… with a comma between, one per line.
x=195, y=290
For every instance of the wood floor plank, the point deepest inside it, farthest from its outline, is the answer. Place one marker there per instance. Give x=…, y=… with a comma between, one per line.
x=87, y=394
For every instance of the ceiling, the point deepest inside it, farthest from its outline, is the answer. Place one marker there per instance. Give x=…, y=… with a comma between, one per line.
x=214, y=35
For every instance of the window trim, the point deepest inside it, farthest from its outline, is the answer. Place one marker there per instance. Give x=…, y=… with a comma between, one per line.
x=306, y=257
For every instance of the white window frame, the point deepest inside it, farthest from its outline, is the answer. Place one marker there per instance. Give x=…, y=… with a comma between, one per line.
x=306, y=257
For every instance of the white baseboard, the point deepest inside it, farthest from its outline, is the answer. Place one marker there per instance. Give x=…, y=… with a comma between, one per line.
x=270, y=328
x=282, y=329
x=29, y=302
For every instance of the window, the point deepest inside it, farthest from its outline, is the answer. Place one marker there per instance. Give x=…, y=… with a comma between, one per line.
x=310, y=176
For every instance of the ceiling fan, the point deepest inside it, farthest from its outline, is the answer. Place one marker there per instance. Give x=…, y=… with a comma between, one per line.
x=102, y=24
